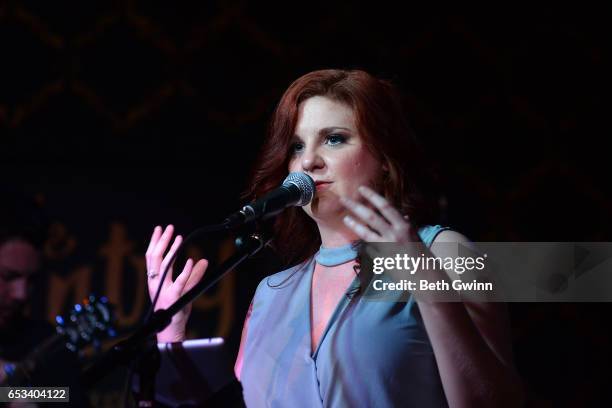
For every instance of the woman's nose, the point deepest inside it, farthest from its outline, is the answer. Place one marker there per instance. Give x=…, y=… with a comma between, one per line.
x=311, y=160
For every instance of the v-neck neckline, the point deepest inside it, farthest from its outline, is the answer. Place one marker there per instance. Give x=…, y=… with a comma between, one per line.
x=340, y=306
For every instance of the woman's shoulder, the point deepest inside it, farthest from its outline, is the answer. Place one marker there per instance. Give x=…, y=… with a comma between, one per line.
x=429, y=233
x=439, y=234
x=283, y=278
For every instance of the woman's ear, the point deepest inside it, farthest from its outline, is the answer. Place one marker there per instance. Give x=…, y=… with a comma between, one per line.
x=385, y=168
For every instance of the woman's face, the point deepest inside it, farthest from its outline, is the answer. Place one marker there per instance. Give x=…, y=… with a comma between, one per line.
x=328, y=147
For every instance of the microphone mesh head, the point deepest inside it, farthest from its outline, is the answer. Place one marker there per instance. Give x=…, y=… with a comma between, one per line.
x=304, y=183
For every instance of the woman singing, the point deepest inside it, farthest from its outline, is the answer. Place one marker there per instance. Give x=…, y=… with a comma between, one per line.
x=310, y=339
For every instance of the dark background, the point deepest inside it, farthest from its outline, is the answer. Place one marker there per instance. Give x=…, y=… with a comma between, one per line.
x=135, y=114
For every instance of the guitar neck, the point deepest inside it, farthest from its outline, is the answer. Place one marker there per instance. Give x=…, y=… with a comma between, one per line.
x=86, y=324
x=21, y=373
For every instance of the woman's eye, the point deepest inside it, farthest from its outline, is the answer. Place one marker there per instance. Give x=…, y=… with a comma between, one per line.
x=297, y=147
x=335, y=139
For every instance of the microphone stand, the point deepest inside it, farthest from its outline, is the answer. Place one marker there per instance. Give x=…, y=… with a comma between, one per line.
x=144, y=337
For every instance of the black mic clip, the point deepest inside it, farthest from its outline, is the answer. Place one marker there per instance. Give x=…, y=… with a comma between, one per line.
x=298, y=189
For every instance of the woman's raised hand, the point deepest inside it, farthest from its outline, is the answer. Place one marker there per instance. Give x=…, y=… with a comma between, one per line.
x=388, y=226
x=171, y=291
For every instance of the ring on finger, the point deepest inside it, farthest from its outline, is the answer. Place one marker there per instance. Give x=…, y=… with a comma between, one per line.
x=152, y=273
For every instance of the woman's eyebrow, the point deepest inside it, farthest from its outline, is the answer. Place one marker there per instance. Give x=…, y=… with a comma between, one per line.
x=322, y=131
x=332, y=128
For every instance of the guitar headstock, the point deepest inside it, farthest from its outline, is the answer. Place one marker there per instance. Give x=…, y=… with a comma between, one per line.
x=88, y=323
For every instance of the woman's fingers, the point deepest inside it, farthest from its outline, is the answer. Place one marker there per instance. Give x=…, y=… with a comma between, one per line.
x=367, y=215
x=400, y=227
x=156, y=254
x=181, y=280
x=154, y=238
x=163, y=241
x=196, y=274
x=190, y=276
x=175, y=245
x=382, y=204
x=361, y=230
x=391, y=226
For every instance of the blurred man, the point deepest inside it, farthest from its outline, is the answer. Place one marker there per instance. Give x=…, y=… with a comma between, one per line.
x=22, y=231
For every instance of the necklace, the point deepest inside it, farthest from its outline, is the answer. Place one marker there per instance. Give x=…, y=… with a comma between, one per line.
x=339, y=255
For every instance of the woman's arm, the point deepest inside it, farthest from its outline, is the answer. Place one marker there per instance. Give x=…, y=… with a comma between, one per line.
x=471, y=341
x=472, y=346
x=245, y=327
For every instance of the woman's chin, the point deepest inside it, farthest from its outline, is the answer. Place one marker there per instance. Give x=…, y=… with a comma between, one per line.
x=327, y=212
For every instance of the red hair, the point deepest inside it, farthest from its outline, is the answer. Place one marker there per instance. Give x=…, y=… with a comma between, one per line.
x=382, y=125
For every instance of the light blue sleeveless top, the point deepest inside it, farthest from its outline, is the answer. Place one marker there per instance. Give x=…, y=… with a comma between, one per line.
x=372, y=354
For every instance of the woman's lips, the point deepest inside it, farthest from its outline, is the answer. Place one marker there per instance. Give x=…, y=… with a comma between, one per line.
x=322, y=185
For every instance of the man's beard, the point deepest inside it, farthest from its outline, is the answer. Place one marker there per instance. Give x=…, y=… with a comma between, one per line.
x=10, y=316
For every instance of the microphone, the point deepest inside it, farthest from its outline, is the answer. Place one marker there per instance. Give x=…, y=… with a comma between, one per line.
x=297, y=190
